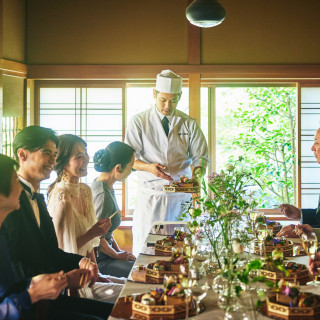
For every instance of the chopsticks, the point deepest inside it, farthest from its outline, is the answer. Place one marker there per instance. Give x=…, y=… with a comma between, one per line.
x=86, y=265
x=113, y=214
x=109, y=218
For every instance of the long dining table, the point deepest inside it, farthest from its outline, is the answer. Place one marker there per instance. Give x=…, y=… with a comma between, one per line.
x=147, y=255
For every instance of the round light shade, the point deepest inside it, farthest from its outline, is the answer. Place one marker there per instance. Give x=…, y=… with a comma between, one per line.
x=205, y=13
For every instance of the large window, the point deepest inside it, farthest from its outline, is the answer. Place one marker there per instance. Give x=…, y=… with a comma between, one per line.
x=99, y=114
x=258, y=125
x=10, y=127
x=236, y=120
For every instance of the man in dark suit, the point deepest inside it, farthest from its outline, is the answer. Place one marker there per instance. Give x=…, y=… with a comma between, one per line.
x=17, y=297
x=308, y=216
x=30, y=231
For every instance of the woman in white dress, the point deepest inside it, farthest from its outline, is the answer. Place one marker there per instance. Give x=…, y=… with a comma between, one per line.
x=71, y=206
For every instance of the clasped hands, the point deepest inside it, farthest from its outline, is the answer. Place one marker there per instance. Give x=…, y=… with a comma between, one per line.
x=49, y=286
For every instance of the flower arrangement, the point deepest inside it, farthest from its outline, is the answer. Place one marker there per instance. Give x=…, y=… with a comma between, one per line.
x=179, y=235
x=219, y=216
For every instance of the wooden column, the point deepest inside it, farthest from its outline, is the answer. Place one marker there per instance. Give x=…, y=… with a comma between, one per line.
x=194, y=78
x=298, y=166
x=194, y=96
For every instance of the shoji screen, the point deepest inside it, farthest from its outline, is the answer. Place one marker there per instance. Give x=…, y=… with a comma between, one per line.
x=310, y=170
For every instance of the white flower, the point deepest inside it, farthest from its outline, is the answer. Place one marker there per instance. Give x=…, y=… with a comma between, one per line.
x=237, y=247
x=191, y=212
x=229, y=167
x=281, y=283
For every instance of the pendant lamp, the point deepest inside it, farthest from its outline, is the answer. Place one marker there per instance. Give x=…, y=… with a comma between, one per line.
x=205, y=13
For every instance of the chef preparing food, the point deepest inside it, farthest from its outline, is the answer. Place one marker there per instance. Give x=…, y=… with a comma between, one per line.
x=167, y=141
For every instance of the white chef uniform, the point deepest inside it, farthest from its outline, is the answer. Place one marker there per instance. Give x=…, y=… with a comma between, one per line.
x=185, y=145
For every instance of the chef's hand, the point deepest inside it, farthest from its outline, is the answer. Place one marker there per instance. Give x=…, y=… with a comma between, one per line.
x=156, y=169
x=290, y=211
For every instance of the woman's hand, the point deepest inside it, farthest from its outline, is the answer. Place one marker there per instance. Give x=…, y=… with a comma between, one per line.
x=47, y=286
x=125, y=255
x=101, y=228
x=290, y=211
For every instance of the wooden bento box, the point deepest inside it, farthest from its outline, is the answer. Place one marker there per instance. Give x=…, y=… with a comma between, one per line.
x=287, y=249
x=159, y=274
x=300, y=275
x=166, y=250
x=278, y=304
x=176, y=306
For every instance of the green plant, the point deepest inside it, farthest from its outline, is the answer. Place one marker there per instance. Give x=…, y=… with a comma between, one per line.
x=265, y=136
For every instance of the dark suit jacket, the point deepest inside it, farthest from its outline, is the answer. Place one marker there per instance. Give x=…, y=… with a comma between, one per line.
x=14, y=296
x=310, y=216
x=35, y=250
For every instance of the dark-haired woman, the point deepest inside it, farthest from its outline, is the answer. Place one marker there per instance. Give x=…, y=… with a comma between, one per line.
x=71, y=207
x=115, y=164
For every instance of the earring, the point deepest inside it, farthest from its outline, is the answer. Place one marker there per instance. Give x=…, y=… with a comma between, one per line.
x=64, y=176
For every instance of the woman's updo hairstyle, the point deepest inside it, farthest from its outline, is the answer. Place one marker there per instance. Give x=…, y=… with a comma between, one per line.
x=115, y=153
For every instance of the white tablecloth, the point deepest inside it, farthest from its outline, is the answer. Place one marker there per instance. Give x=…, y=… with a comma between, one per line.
x=212, y=311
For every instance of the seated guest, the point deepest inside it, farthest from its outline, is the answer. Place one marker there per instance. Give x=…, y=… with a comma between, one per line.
x=71, y=207
x=16, y=298
x=115, y=164
x=30, y=232
x=307, y=216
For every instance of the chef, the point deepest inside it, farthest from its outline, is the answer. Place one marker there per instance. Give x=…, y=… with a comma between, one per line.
x=167, y=142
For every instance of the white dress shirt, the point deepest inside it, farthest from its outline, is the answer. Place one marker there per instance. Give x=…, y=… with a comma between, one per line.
x=34, y=203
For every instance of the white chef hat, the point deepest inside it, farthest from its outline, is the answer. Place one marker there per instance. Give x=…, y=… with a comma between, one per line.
x=168, y=82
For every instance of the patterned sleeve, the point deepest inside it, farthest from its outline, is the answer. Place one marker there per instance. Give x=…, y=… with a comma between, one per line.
x=60, y=209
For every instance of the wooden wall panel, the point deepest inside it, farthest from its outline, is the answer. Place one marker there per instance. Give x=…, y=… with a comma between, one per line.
x=264, y=32
x=14, y=25
x=107, y=32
